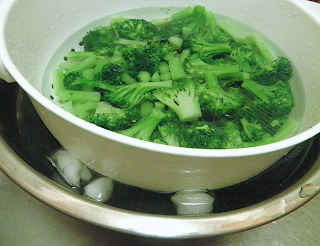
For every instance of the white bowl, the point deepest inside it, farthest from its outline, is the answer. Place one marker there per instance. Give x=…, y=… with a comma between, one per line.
x=31, y=31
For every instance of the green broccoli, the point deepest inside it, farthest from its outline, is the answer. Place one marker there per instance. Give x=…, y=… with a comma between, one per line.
x=215, y=101
x=185, y=80
x=127, y=96
x=206, y=50
x=276, y=99
x=101, y=40
x=144, y=128
x=279, y=69
x=189, y=23
x=146, y=58
x=136, y=29
x=210, y=135
x=253, y=131
x=182, y=99
x=112, y=118
x=112, y=74
x=196, y=67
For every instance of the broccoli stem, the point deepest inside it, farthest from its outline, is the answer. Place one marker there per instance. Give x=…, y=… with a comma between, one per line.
x=144, y=128
x=79, y=54
x=70, y=63
x=89, y=62
x=124, y=41
x=233, y=31
x=79, y=96
x=262, y=47
x=212, y=83
x=57, y=81
x=182, y=13
x=263, y=92
x=198, y=17
x=92, y=83
x=176, y=68
x=175, y=42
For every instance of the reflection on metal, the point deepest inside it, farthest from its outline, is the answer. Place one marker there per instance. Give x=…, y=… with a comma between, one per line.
x=308, y=190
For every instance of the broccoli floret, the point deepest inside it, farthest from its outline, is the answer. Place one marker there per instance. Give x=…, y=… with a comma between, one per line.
x=182, y=99
x=276, y=99
x=288, y=129
x=245, y=56
x=184, y=26
x=144, y=128
x=210, y=135
x=206, y=50
x=201, y=135
x=112, y=74
x=196, y=67
x=136, y=29
x=127, y=96
x=101, y=40
x=147, y=58
x=280, y=69
x=211, y=31
x=217, y=102
x=170, y=134
x=113, y=118
x=70, y=79
x=252, y=131
x=231, y=135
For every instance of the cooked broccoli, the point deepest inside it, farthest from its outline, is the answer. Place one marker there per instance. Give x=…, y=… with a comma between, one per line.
x=279, y=69
x=215, y=101
x=253, y=131
x=127, y=96
x=112, y=74
x=182, y=99
x=144, y=128
x=113, y=118
x=276, y=99
x=206, y=50
x=146, y=58
x=196, y=67
x=70, y=79
x=186, y=80
x=101, y=40
x=189, y=23
x=136, y=29
x=210, y=135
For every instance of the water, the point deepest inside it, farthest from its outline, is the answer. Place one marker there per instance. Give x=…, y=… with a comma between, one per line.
x=152, y=13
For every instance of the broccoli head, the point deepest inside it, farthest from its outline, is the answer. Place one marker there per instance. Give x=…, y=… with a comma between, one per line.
x=215, y=101
x=112, y=118
x=144, y=128
x=210, y=135
x=112, y=74
x=70, y=80
x=280, y=69
x=276, y=99
x=147, y=58
x=182, y=99
x=101, y=40
x=128, y=96
x=206, y=50
x=136, y=29
x=196, y=67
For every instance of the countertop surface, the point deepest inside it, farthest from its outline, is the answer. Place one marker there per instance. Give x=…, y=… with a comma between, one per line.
x=25, y=221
